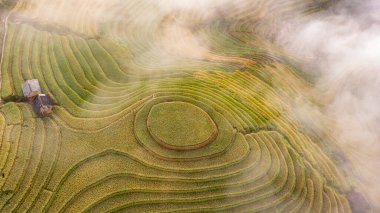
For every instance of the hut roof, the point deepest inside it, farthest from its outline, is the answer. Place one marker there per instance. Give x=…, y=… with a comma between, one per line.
x=31, y=88
x=42, y=104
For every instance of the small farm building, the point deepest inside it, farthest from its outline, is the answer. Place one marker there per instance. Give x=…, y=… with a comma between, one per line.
x=42, y=105
x=31, y=88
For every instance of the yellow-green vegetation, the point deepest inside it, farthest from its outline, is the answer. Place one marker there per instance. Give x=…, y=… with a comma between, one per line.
x=217, y=141
x=148, y=119
x=12, y=113
x=180, y=125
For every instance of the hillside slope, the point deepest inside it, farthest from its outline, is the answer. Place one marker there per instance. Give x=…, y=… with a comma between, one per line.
x=113, y=68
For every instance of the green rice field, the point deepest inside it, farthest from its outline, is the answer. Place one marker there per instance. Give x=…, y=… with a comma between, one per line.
x=158, y=110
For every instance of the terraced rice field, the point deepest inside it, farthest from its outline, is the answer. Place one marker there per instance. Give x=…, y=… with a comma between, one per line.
x=148, y=118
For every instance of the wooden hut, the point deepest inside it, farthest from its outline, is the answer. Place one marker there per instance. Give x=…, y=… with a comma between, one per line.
x=42, y=104
x=31, y=88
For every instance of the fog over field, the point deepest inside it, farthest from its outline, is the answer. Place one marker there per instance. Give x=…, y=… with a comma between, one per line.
x=341, y=47
x=344, y=50
x=334, y=46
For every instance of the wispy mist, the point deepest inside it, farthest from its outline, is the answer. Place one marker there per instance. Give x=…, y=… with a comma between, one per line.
x=343, y=47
